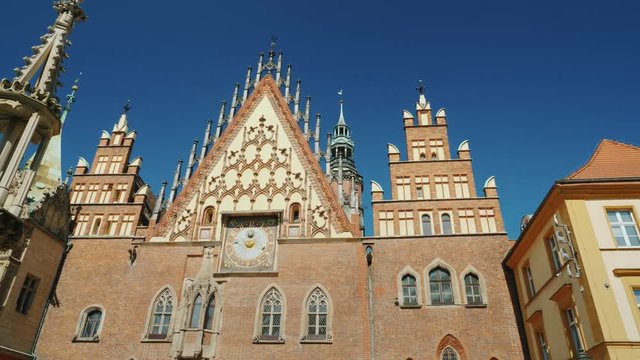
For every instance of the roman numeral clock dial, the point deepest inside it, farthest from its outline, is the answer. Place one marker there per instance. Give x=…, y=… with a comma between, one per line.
x=250, y=243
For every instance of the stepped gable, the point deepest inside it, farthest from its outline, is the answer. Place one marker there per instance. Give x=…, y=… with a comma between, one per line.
x=267, y=87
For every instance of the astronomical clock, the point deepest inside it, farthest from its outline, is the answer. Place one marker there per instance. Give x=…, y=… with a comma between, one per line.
x=249, y=243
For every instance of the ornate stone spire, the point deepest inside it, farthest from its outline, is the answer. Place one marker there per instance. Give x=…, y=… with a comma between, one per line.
x=341, y=118
x=43, y=68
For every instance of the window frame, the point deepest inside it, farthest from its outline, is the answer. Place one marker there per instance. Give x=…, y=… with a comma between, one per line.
x=147, y=335
x=622, y=224
x=27, y=294
x=451, y=227
x=315, y=338
x=528, y=280
x=450, y=350
x=82, y=323
x=440, y=284
x=575, y=332
x=258, y=337
x=431, y=229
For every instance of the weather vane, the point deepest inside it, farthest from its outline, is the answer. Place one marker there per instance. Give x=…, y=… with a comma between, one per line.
x=273, y=42
x=340, y=94
x=127, y=106
x=420, y=87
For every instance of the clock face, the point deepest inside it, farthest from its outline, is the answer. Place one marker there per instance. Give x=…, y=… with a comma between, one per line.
x=250, y=241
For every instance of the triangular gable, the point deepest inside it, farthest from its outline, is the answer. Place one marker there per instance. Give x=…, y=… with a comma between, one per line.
x=264, y=116
x=611, y=159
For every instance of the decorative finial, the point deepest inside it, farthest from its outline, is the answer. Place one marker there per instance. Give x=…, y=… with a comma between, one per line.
x=340, y=94
x=420, y=87
x=274, y=39
x=127, y=106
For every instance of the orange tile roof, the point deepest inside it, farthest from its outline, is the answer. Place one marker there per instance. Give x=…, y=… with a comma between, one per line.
x=611, y=159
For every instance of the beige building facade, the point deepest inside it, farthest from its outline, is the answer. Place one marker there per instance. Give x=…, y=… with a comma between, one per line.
x=576, y=261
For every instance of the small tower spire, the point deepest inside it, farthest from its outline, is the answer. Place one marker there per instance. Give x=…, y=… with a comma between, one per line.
x=316, y=138
x=220, y=120
x=71, y=98
x=327, y=157
x=247, y=84
x=287, y=85
x=158, y=207
x=306, y=118
x=279, y=70
x=205, y=142
x=176, y=182
x=296, y=102
x=234, y=102
x=341, y=118
x=192, y=160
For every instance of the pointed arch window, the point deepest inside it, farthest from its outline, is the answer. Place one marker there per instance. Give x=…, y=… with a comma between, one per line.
x=209, y=313
x=426, y=225
x=409, y=290
x=449, y=354
x=271, y=315
x=195, y=312
x=317, y=315
x=440, y=287
x=161, y=316
x=446, y=224
x=472, y=289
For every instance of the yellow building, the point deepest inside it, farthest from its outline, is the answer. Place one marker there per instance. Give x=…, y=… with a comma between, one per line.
x=576, y=264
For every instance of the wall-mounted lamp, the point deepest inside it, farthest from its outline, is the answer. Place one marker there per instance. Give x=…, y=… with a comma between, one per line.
x=369, y=252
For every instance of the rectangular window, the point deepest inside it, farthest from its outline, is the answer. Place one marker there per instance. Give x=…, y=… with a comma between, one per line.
x=115, y=164
x=636, y=295
x=528, y=277
x=386, y=223
x=121, y=193
x=81, y=225
x=105, y=195
x=101, y=166
x=76, y=196
x=112, y=223
x=542, y=345
x=552, y=247
x=418, y=149
x=467, y=221
x=461, y=185
x=127, y=225
x=487, y=220
x=436, y=147
x=422, y=187
x=574, y=329
x=406, y=222
x=403, y=184
x=442, y=186
x=623, y=227
x=91, y=194
x=27, y=293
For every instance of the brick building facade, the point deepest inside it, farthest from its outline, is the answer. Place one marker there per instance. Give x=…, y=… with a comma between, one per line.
x=259, y=253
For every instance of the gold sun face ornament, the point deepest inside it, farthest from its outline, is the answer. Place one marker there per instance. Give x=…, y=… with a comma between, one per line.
x=250, y=241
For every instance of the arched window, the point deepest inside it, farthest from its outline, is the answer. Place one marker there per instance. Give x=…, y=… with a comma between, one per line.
x=472, y=289
x=446, y=224
x=271, y=315
x=409, y=290
x=426, y=225
x=195, y=312
x=449, y=354
x=294, y=213
x=440, y=287
x=207, y=217
x=317, y=315
x=161, y=316
x=90, y=325
x=209, y=313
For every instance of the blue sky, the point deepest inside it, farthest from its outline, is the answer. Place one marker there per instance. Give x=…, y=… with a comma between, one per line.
x=532, y=85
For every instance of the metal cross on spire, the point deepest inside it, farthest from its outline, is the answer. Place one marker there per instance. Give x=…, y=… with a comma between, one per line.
x=420, y=87
x=127, y=106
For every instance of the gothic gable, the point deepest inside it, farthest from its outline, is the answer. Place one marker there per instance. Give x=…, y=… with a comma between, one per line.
x=260, y=164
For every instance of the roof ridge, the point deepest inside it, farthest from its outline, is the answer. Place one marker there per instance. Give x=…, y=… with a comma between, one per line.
x=597, y=152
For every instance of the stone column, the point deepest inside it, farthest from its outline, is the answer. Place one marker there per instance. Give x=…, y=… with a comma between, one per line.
x=7, y=145
x=30, y=175
x=17, y=156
